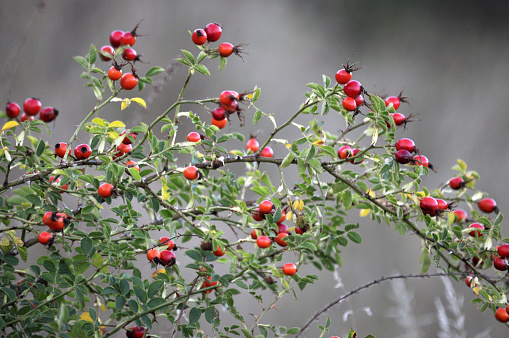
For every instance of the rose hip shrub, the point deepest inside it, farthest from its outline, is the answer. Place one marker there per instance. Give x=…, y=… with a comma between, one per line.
x=98, y=213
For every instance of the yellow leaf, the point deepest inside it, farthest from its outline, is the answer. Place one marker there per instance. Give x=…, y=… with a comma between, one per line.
x=158, y=271
x=319, y=143
x=116, y=124
x=86, y=317
x=288, y=145
x=139, y=101
x=364, y=212
x=113, y=135
x=125, y=104
x=99, y=122
x=236, y=152
x=165, y=192
x=9, y=125
x=249, y=96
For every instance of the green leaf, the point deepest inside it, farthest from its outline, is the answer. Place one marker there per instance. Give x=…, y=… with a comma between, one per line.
x=347, y=199
x=40, y=148
x=23, y=253
x=210, y=314
x=154, y=71
x=123, y=285
x=154, y=288
x=119, y=302
x=222, y=62
x=185, y=62
x=82, y=61
x=86, y=245
x=202, y=69
x=194, y=315
x=354, y=237
x=426, y=262
x=257, y=116
x=287, y=160
x=140, y=293
x=92, y=55
x=189, y=56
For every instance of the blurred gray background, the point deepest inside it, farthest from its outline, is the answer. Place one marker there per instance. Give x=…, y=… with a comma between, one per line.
x=451, y=58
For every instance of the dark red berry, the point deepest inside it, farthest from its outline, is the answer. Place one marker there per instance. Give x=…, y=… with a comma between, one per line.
x=428, y=205
x=32, y=106
x=130, y=54
x=500, y=264
x=456, y=183
x=48, y=114
x=219, y=113
x=106, y=53
x=115, y=37
x=399, y=119
x=503, y=250
x=403, y=156
x=12, y=109
x=353, y=88
x=474, y=232
x=128, y=38
x=394, y=100
x=487, y=205
x=213, y=31
x=405, y=143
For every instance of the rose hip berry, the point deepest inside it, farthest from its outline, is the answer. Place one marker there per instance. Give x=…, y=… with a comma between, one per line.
x=105, y=190
x=129, y=138
x=32, y=106
x=213, y=31
x=488, y=205
x=48, y=114
x=267, y=152
x=12, y=109
x=289, y=269
x=428, y=205
x=280, y=239
x=421, y=160
x=503, y=250
x=122, y=149
x=135, y=332
x=394, y=100
x=219, y=123
x=343, y=76
x=199, y=37
x=128, y=81
x=266, y=206
x=258, y=215
x=405, y=143
x=114, y=73
x=130, y=54
x=403, y=156
x=456, y=183
x=219, y=113
x=106, y=53
x=442, y=205
x=349, y=103
x=228, y=97
x=219, y=252
x=500, y=264
x=61, y=148
x=191, y=173
x=353, y=89
x=460, y=214
x=44, y=237
x=399, y=118
x=128, y=38
x=263, y=242
x=502, y=315
x=344, y=152
x=359, y=100
x=252, y=145
x=115, y=37
x=226, y=49
x=167, y=257
x=153, y=253
x=25, y=117
x=82, y=151
x=473, y=233
x=193, y=137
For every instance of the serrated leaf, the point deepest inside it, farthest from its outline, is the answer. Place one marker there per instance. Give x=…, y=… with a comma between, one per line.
x=202, y=69
x=201, y=57
x=222, y=62
x=189, y=56
x=82, y=61
x=257, y=116
x=185, y=62
x=116, y=124
x=23, y=253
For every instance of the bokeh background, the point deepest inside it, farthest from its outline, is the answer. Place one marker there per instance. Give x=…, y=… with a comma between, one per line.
x=450, y=57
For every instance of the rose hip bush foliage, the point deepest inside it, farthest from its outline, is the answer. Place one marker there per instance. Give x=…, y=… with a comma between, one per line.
x=125, y=195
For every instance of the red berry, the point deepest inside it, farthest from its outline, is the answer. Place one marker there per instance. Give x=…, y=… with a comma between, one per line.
x=219, y=113
x=231, y=108
x=263, y=242
x=48, y=114
x=252, y=145
x=399, y=119
x=191, y=173
x=456, y=183
x=61, y=148
x=253, y=234
x=460, y=214
x=105, y=190
x=394, y=100
x=503, y=250
x=65, y=186
x=106, y=53
x=128, y=81
x=349, y=103
x=129, y=138
x=129, y=54
x=12, y=109
x=115, y=37
x=344, y=152
x=474, y=232
x=405, y=143
x=500, y=263
x=226, y=49
x=44, y=237
x=487, y=205
x=354, y=153
x=199, y=37
x=114, y=74
x=219, y=123
x=266, y=206
x=267, y=152
x=135, y=332
x=421, y=160
x=353, y=88
x=167, y=257
x=128, y=38
x=280, y=239
x=289, y=269
x=82, y=151
x=428, y=205
x=442, y=205
x=403, y=156
x=359, y=100
x=258, y=215
x=153, y=253
x=167, y=241
x=502, y=315
x=282, y=228
x=193, y=137
x=469, y=280
x=282, y=219
x=132, y=164
x=25, y=117
x=32, y=106
x=213, y=31
x=343, y=76
x=227, y=97
x=219, y=252
x=122, y=149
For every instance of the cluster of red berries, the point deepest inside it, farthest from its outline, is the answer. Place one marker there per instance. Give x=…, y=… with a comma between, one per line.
x=404, y=149
x=31, y=107
x=122, y=41
x=262, y=241
x=135, y=332
x=212, y=33
x=56, y=221
x=164, y=257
